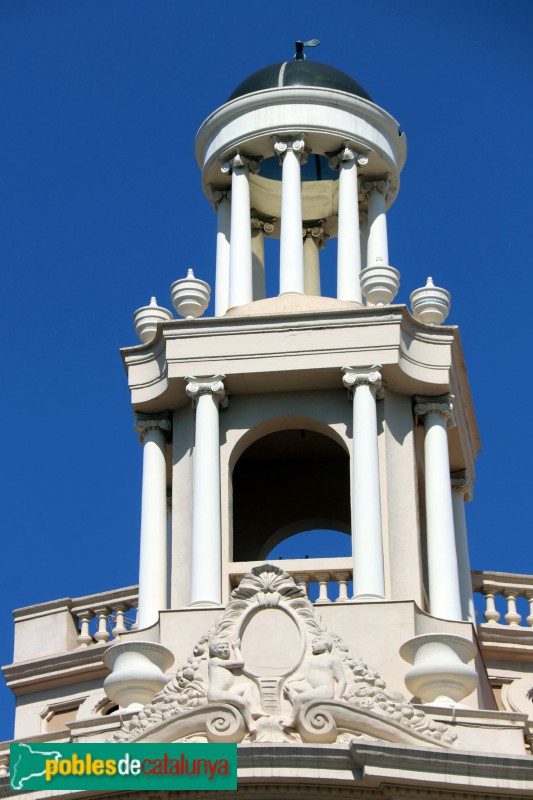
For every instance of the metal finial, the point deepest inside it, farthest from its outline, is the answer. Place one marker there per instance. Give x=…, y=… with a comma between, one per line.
x=299, y=54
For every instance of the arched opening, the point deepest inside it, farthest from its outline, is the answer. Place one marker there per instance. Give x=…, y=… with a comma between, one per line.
x=287, y=482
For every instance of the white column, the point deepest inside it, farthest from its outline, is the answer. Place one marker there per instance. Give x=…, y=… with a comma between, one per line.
x=444, y=594
x=240, y=261
x=208, y=395
x=153, y=431
x=220, y=199
x=377, y=247
x=367, y=545
x=363, y=229
x=348, y=237
x=461, y=494
x=314, y=240
x=291, y=153
x=260, y=227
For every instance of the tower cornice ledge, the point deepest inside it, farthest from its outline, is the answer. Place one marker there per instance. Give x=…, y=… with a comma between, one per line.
x=291, y=349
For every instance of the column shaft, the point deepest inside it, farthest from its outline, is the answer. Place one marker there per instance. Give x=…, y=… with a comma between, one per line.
x=258, y=263
x=153, y=550
x=206, y=551
x=311, y=266
x=463, y=559
x=223, y=256
x=444, y=595
x=367, y=545
x=240, y=281
x=291, y=277
x=377, y=247
x=348, y=245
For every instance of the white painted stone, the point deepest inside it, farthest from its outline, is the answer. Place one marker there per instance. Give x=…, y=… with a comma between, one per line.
x=147, y=318
x=441, y=674
x=153, y=547
x=206, y=555
x=291, y=268
x=138, y=672
x=430, y=304
x=190, y=296
x=367, y=544
x=380, y=285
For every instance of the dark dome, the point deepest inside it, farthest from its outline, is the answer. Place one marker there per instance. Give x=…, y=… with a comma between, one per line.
x=299, y=73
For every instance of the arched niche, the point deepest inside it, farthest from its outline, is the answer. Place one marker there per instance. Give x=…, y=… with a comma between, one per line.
x=289, y=480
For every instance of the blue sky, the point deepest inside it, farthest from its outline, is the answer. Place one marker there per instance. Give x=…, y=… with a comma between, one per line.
x=101, y=207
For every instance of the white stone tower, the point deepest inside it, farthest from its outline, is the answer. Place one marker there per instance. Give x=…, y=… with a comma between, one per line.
x=245, y=416
x=297, y=412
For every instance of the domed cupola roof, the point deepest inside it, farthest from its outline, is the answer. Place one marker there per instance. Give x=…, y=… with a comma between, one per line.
x=299, y=73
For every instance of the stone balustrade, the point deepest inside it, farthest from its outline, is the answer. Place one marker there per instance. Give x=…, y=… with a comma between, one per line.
x=507, y=585
x=4, y=759
x=59, y=626
x=105, y=616
x=322, y=583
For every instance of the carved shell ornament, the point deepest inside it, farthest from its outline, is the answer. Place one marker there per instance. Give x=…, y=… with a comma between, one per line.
x=293, y=681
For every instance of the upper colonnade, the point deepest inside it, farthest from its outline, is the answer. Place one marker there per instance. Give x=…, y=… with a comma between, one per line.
x=304, y=163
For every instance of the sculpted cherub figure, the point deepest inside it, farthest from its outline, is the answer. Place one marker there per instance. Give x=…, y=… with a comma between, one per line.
x=322, y=678
x=222, y=688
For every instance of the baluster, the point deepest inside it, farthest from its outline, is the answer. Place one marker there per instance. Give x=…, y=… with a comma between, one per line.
x=119, y=627
x=513, y=618
x=529, y=618
x=491, y=615
x=301, y=579
x=135, y=606
x=102, y=634
x=342, y=579
x=322, y=578
x=84, y=637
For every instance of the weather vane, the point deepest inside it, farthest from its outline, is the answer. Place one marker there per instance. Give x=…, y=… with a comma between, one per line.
x=299, y=54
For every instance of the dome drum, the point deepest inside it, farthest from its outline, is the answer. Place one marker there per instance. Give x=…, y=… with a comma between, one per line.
x=328, y=119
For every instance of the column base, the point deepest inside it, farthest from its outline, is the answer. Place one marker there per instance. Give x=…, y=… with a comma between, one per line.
x=205, y=604
x=368, y=598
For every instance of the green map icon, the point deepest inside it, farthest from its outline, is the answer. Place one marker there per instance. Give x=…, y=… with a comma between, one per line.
x=28, y=762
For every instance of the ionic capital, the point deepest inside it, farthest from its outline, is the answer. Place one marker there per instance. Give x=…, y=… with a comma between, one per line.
x=297, y=145
x=264, y=225
x=347, y=153
x=369, y=376
x=152, y=422
x=316, y=232
x=238, y=160
x=216, y=196
x=381, y=185
x=441, y=405
x=461, y=482
x=214, y=385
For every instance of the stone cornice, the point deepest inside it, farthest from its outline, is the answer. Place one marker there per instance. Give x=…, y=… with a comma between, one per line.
x=63, y=669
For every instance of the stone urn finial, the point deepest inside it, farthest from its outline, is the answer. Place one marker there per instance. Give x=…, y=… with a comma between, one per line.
x=146, y=319
x=190, y=296
x=430, y=304
x=137, y=672
x=379, y=284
